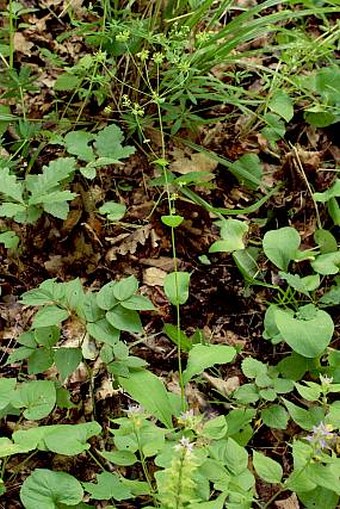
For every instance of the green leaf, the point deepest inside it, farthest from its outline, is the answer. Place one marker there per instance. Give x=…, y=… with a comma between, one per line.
x=46, y=336
x=108, y=486
x=311, y=391
x=176, y=287
x=332, y=192
x=114, y=211
x=45, y=489
x=306, y=419
x=327, y=264
x=245, y=260
x=10, y=186
x=246, y=394
x=172, y=221
x=103, y=331
x=266, y=468
x=69, y=439
x=154, y=400
x=9, y=239
x=77, y=144
x=38, y=397
x=52, y=176
x=66, y=82
x=252, y=368
x=282, y=104
x=326, y=241
x=139, y=303
x=109, y=144
x=7, y=448
x=74, y=294
x=235, y=457
x=39, y=361
x=125, y=288
x=124, y=319
x=319, y=497
x=7, y=387
x=202, y=357
x=105, y=297
x=303, y=285
x=308, y=338
x=44, y=294
x=248, y=170
x=122, y=458
x=48, y=316
x=67, y=360
x=275, y=416
x=178, y=337
x=281, y=245
x=232, y=233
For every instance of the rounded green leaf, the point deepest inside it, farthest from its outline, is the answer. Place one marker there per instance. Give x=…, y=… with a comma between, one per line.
x=48, y=316
x=281, y=245
x=45, y=489
x=105, y=297
x=176, y=287
x=172, y=221
x=124, y=319
x=308, y=338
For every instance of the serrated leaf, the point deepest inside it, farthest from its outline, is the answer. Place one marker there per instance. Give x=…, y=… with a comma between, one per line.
x=67, y=82
x=48, y=316
x=202, y=357
x=9, y=239
x=266, y=468
x=282, y=104
x=77, y=144
x=109, y=144
x=252, y=368
x=281, y=245
x=10, y=186
x=45, y=489
x=275, y=416
x=108, y=486
x=8, y=209
x=176, y=287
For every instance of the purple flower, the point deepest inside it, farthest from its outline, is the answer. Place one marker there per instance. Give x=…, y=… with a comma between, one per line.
x=322, y=437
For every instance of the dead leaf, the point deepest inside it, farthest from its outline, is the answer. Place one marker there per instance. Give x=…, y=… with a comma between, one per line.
x=195, y=162
x=289, y=503
x=154, y=276
x=130, y=242
x=21, y=44
x=225, y=387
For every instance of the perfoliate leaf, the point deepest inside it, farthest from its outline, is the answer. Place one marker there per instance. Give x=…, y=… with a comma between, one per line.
x=176, y=287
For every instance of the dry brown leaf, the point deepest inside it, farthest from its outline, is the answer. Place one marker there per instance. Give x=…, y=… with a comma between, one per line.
x=163, y=262
x=154, y=276
x=289, y=503
x=21, y=44
x=195, y=162
x=130, y=243
x=225, y=387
